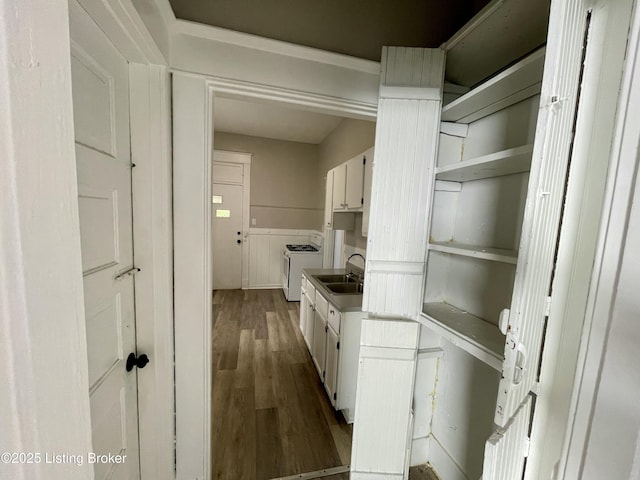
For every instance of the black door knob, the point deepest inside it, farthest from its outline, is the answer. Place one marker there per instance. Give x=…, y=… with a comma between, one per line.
x=239, y=241
x=133, y=361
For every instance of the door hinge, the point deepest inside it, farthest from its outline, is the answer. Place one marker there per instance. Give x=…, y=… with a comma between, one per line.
x=323, y=373
x=338, y=346
x=362, y=201
x=335, y=396
x=364, y=160
x=547, y=306
x=326, y=328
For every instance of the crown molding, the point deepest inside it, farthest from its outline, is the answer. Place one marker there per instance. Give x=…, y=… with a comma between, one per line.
x=166, y=12
x=275, y=46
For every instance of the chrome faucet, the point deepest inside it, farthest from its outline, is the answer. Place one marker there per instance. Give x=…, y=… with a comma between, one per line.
x=364, y=261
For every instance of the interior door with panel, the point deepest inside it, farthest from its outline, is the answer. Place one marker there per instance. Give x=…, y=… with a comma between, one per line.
x=227, y=236
x=100, y=87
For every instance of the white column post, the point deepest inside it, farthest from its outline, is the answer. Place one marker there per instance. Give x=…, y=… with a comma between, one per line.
x=407, y=132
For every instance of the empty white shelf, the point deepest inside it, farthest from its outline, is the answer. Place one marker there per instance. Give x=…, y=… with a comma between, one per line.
x=516, y=83
x=472, y=334
x=485, y=253
x=505, y=162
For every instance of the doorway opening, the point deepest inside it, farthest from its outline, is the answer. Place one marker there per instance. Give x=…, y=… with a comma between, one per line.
x=271, y=415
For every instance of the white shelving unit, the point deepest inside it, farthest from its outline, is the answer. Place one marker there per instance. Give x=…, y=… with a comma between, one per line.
x=470, y=333
x=485, y=253
x=479, y=195
x=516, y=83
x=506, y=162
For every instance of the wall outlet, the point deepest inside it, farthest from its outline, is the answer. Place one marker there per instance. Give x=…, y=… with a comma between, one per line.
x=253, y=222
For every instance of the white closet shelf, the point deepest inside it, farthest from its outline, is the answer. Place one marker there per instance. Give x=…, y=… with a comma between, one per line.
x=474, y=251
x=516, y=83
x=505, y=162
x=472, y=334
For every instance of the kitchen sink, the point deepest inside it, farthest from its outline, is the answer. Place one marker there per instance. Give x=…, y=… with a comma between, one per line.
x=336, y=278
x=351, y=288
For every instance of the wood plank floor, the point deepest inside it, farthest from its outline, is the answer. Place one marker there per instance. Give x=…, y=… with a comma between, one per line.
x=271, y=416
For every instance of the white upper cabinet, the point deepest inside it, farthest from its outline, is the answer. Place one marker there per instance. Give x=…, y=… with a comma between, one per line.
x=339, y=187
x=328, y=201
x=355, y=183
x=348, y=191
x=348, y=185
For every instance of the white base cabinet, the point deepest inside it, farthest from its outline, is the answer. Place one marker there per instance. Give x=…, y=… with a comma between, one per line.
x=333, y=339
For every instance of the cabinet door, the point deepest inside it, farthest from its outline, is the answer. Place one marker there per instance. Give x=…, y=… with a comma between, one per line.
x=355, y=183
x=339, y=185
x=319, y=343
x=331, y=367
x=328, y=201
x=368, y=177
x=308, y=328
x=507, y=448
x=303, y=312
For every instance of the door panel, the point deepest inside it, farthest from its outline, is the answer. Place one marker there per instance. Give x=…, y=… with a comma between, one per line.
x=227, y=236
x=355, y=183
x=319, y=342
x=339, y=187
x=104, y=201
x=550, y=165
x=507, y=448
x=331, y=375
x=100, y=86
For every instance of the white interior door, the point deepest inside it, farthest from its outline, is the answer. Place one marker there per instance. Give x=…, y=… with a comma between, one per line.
x=101, y=115
x=227, y=236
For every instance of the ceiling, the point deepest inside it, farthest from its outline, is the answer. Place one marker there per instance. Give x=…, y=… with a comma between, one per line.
x=270, y=120
x=353, y=27
x=360, y=28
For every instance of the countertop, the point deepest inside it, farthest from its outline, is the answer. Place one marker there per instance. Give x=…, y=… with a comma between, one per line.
x=344, y=303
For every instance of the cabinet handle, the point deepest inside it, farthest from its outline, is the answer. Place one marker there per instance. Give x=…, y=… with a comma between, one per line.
x=331, y=312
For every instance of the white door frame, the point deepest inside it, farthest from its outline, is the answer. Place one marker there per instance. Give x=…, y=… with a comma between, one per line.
x=602, y=323
x=225, y=156
x=40, y=274
x=193, y=104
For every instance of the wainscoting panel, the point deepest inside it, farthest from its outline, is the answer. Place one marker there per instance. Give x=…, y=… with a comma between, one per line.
x=265, y=254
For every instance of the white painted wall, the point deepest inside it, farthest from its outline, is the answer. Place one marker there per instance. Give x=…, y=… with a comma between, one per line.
x=198, y=49
x=613, y=445
x=44, y=399
x=265, y=254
